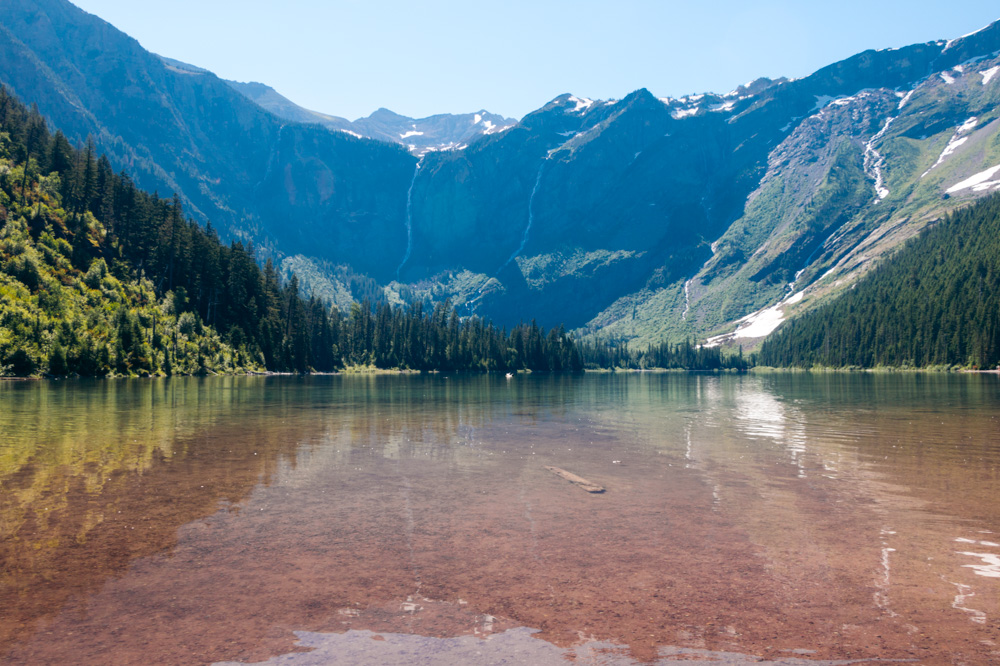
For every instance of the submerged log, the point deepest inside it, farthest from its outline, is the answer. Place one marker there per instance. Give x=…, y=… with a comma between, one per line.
x=577, y=480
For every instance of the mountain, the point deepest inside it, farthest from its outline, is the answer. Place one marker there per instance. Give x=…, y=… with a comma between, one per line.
x=643, y=218
x=853, y=182
x=268, y=98
x=98, y=277
x=700, y=211
x=937, y=303
x=420, y=135
x=179, y=129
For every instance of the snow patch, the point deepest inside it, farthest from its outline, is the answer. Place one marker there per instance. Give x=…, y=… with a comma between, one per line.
x=989, y=74
x=795, y=298
x=821, y=102
x=955, y=142
x=354, y=134
x=677, y=114
x=490, y=127
x=788, y=127
x=947, y=78
x=726, y=106
x=410, y=133
x=980, y=182
x=953, y=145
x=478, y=119
x=446, y=147
x=761, y=323
x=904, y=100
x=968, y=124
x=581, y=104
x=755, y=325
x=950, y=42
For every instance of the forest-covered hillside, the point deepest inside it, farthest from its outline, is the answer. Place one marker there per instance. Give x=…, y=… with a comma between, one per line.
x=100, y=278
x=935, y=303
x=645, y=219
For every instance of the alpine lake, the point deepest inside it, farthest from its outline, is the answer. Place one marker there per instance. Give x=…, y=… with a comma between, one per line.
x=413, y=519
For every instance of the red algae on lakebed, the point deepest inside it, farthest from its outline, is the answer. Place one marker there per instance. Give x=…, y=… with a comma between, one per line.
x=733, y=521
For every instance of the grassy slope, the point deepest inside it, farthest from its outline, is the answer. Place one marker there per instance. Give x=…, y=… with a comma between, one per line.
x=817, y=189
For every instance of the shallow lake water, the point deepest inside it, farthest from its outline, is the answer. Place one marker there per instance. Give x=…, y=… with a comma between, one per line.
x=786, y=519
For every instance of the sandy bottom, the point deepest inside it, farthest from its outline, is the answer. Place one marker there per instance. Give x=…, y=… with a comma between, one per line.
x=744, y=539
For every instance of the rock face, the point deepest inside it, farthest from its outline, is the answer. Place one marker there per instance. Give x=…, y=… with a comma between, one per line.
x=642, y=218
x=288, y=187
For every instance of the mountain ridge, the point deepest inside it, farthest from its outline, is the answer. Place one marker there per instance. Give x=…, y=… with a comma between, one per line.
x=444, y=131
x=643, y=218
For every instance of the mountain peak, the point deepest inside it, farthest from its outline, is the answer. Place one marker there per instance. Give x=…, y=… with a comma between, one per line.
x=641, y=98
x=757, y=86
x=254, y=86
x=383, y=114
x=184, y=67
x=642, y=94
x=570, y=103
x=987, y=32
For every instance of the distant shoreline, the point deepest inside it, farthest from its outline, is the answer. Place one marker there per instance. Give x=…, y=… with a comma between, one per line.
x=761, y=370
x=887, y=370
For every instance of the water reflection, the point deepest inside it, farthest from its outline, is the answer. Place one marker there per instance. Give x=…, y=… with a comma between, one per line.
x=762, y=415
x=843, y=516
x=96, y=474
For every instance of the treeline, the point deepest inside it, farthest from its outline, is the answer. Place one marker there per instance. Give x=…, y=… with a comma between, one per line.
x=98, y=277
x=117, y=281
x=936, y=303
x=667, y=356
x=438, y=339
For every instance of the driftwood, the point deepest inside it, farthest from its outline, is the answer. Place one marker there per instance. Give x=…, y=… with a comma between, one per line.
x=577, y=480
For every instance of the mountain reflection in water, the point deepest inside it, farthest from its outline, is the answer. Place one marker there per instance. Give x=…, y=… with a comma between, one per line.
x=829, y=517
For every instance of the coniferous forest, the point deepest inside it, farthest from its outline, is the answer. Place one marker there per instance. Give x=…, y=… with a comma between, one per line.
x=936, y=303
x=618, y=354
x=100, y=278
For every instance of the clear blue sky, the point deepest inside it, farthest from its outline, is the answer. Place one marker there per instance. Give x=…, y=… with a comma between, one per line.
x=349, y=57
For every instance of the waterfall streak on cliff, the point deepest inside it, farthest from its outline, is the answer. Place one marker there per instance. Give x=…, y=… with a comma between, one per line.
x=409, y=218
x=531, y=217
x=874, y=161
x=271, y=161
x=687, y=300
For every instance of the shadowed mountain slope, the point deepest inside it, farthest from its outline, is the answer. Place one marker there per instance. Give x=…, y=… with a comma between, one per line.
x=643, y=218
